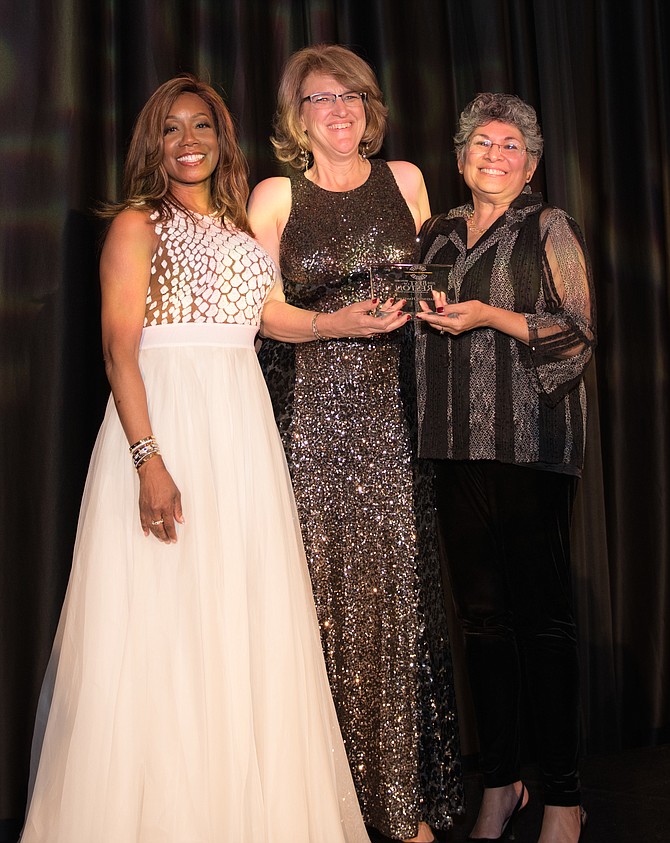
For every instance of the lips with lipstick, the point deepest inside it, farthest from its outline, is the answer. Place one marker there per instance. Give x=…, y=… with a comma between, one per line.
x=191, y=159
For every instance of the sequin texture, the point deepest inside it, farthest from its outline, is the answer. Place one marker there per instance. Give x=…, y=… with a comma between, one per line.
x=346, y=410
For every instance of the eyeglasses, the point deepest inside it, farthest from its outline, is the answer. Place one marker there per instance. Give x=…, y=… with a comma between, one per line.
x=509, y=149
x=323, y=100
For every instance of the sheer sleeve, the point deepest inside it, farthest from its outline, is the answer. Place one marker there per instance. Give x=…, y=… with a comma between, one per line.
x=562, y=332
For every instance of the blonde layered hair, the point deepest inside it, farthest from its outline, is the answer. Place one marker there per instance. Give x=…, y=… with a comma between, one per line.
x=145, y=180
x=352, y=72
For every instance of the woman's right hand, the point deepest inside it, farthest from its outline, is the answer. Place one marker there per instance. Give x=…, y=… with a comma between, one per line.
x=359, y=319
x=160, y=501
x=125, y=266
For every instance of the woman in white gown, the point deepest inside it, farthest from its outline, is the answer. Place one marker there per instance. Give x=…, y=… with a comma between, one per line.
x=186, y=700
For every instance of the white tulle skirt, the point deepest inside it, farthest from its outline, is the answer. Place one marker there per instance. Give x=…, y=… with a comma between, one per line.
x=186, y=700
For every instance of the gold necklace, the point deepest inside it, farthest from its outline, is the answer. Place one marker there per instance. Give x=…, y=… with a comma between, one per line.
x=469, y=221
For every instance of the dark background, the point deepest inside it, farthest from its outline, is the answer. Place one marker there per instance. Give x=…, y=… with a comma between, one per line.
x=73, y=75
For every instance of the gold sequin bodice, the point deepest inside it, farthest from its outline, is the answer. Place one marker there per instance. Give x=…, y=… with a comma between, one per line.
x=330, y=238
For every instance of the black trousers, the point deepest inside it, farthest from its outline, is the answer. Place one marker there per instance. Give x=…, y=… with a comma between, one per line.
x=506, y=533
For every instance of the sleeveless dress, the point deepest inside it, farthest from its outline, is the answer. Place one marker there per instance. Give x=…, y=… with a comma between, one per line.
x=347, y=413
x=186, y=700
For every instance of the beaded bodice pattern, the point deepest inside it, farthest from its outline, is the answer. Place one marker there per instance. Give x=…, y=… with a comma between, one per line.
x=204, y=271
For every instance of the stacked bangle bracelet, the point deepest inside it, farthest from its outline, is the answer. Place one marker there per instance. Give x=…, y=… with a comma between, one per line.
x=144, y=450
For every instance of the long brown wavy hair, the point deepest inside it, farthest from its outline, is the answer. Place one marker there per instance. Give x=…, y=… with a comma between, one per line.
x=145, y=180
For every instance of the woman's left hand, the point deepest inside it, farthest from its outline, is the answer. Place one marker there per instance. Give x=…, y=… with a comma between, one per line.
x=159, y=501
x=454, y=318
x=364, y=319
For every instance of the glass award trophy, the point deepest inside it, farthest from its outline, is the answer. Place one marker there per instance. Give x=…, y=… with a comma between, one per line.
x=410, y=281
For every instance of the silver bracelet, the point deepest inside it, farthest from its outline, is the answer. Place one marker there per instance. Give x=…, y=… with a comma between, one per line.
x=144, y=450
x=315, y=330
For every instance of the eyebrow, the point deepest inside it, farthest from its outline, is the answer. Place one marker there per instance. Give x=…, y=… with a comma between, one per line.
x=507, y=137
x=197, y=116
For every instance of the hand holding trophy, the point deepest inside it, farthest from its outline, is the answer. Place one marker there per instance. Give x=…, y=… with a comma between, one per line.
x=413, y=283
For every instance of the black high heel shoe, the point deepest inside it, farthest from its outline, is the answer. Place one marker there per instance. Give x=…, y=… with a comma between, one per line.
x=583, y=819
x=518, y=808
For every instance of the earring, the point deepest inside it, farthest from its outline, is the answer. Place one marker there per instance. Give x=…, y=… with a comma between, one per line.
x=364, y=150
x=304, y=152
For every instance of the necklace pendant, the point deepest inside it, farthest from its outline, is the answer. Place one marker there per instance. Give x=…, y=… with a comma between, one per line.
x=469, y=221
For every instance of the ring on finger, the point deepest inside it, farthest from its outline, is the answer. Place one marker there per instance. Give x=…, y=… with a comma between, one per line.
x=156, y=523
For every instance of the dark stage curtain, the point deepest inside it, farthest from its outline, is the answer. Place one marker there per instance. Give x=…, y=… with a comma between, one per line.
x=74, y=73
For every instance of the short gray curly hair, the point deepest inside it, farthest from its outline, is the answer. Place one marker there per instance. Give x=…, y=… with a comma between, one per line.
x=508, y=108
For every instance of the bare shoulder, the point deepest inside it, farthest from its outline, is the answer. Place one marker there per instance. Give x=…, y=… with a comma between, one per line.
x=268, y=209
x=275, y=191
x=131, y=236
x=133, y=225
x=412, y=186
x=406, y=173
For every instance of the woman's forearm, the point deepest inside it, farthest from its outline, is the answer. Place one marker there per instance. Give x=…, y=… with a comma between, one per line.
x=130, y=398
x=507, y=322
x=287, y=323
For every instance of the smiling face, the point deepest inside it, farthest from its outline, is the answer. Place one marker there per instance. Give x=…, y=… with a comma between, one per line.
x=496, y=174
x=190, y=143
x=335, y=131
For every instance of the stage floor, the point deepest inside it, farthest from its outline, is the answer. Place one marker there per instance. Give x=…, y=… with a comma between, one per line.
x=626, y=796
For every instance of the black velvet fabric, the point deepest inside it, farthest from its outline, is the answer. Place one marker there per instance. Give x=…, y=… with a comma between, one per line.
x=506, y=532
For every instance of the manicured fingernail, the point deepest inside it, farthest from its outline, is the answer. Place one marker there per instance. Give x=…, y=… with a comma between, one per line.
x=440, y=309
x=409, y=316
x=375, y=301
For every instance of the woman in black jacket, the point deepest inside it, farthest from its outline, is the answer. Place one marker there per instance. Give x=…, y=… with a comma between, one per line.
x=503, y=415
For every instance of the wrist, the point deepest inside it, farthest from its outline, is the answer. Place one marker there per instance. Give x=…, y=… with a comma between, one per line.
x=144, y=450
x=487, y=316
x=316, y=333
x=322, y=326
x=154, y=463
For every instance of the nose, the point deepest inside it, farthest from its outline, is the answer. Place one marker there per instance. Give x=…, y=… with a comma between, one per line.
x=339, y=105
x=490, y=152
x=188, y=137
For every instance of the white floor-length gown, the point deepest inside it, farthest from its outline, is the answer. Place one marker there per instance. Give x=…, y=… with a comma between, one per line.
x=186, y=700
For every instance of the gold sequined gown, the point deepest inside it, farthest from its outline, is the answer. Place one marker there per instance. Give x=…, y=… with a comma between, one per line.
x=187, y=699
x=346, y=410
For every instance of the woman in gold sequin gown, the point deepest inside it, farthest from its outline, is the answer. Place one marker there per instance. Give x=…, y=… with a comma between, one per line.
x=187, y=700
x=342, y=386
